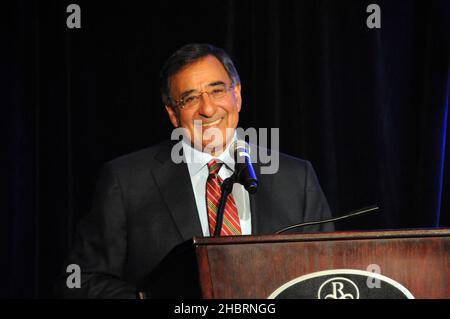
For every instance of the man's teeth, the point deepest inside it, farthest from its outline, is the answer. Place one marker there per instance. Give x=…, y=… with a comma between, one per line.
x=212, y=123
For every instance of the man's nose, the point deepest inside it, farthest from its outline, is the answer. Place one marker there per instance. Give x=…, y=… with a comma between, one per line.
x=207, y=107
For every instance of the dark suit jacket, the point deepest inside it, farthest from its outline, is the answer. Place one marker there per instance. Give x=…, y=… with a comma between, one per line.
x=144, y=206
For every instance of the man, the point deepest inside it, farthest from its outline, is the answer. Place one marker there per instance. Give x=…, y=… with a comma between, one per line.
x=146, y=204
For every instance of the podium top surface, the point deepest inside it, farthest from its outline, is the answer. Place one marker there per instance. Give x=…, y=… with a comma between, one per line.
x=331, y=236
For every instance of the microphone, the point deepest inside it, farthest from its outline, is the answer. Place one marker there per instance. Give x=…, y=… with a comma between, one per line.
x=243, y=168
x=351, y=214
x=243, y=174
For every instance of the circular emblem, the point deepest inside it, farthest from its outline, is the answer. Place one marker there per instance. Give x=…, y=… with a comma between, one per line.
x=338, y=288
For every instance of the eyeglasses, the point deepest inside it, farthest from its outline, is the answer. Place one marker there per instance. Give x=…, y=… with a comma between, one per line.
x=215, y=93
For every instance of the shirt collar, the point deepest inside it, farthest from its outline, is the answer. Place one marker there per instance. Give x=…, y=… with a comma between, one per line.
x=197, y=159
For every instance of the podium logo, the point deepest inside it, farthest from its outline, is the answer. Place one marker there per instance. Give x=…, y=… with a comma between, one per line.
x=338, y=288
x=342, y=284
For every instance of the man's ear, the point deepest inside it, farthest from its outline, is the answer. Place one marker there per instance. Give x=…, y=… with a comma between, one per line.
x=173, y=116
x=237, y=94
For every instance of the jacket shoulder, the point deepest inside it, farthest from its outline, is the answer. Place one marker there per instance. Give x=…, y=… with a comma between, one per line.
x=142, y=159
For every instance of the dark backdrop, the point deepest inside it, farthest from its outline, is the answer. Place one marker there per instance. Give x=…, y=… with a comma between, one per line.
x=368, y=107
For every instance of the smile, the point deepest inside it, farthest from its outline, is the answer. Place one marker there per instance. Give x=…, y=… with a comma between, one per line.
x=212, y=123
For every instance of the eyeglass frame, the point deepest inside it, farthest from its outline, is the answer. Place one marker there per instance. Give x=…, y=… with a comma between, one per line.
x=200, y=93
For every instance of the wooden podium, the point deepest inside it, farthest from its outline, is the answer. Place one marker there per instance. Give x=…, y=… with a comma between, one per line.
x=256, y=266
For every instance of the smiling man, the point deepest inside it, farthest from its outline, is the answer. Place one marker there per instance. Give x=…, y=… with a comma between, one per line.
x=146, y=203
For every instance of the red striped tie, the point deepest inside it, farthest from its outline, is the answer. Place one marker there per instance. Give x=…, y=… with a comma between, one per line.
x=231, y=224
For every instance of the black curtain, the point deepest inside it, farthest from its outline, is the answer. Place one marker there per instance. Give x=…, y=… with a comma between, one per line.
x=368, y=107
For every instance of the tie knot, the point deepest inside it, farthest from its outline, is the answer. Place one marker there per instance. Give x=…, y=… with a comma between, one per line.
x=214, y=167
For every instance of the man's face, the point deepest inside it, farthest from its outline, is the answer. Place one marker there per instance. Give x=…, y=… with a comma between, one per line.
x=216, y=114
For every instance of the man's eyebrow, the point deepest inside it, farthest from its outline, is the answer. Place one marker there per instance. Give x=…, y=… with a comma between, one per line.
x=216, y=83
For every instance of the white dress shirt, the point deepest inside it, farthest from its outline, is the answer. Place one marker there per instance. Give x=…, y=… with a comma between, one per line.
x=198, y=171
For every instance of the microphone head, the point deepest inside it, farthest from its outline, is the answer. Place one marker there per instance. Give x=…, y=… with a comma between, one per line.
x=243, y=169
x=239, y=150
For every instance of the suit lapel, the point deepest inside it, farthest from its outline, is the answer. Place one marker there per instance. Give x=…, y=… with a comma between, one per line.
x=258, y=202
x=175, y=186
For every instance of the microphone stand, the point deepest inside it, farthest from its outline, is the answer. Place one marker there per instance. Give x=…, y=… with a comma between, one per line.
x=226, y=188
